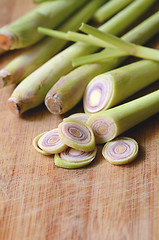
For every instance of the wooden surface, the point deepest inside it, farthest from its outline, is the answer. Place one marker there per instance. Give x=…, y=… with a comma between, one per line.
x=99, y=202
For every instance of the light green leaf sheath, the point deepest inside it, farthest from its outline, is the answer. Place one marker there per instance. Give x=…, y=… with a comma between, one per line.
x=119, y=44
x=109, y=9
x=69, y=89
x=108, y=89
x=36, y=146
x=23, y=32
x=32, y=58
x=76, y=134
x=120, y=151
x=80, y=116
x=109, y=124
x=32, y=90
x=73, y=158
x=51, y=143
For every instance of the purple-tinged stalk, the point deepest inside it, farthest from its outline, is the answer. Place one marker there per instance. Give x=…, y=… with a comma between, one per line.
x=73, y=158
x=69, y=90
x=108, y=89
x=32, y=90
x=23, y=32
x=109, y=124
x=36, y=146
x=76, y=134
x=120, y=151
x=51, y=143
x=32, y=58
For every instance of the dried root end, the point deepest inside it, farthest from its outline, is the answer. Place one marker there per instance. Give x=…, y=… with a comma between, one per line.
x=4, y=78
x=14, y=106
x=5, y=42
x=54, y=104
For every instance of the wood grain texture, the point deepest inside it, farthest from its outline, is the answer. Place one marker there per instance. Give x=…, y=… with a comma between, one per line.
x=99, y=202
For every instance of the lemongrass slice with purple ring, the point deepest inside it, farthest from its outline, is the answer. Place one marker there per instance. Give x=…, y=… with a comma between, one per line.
x=73, y=158
x=76, y=134
x=120, y=151
x=80, y=116
x=97, y=95
x=50, y=142
x=36, y=146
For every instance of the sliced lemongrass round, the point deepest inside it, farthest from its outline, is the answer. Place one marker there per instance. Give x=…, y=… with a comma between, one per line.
x=98, y=94
x=104, y=128
x=80, y=116
x=120, y=151
x=76, y=134
x=50, y=142
x=73, y=158
x=36, y=146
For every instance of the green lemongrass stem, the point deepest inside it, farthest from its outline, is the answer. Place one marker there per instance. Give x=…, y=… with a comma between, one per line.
x=36, y=146
x=72, y=158
x=109, y=9
x=23, y=32
x=109, y=124
x=34, y=57
x=108, y=89
x=120, y=151
x=98, y=57
x=50, y=142
x=68, y=90
x=73, y=36
x=76, y=134
x=32, y=91
x=58, y=99
x=80, y=116
x=115, y=42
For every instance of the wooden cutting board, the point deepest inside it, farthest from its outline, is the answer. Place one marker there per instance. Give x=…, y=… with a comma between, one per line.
x=99, y=202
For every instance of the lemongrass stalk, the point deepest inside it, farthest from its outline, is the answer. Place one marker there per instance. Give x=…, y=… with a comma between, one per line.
x=98, y=57
x=75, y=37
x=32, y=91
x=69, y=90
x=76, y=134
x=80, y=116
x=120, y=151
x=34, y=57
x=51, y=143
x=115, y=42
x=108, y=89
x=109, y=124
x=23, y=32
x=36, y=146
x=109, y=9
x=73, y=158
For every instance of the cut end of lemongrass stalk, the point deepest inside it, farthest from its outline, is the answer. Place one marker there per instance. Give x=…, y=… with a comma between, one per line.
x=80, y=116
x=54, y=104
x=76, y=134
x=73, y=158
x=98, y=94
x=36, y=146
x=120, y=151
x=4, y=78
x=5, y=42
x=14, y=106
x=104, y=129
x=51, y=143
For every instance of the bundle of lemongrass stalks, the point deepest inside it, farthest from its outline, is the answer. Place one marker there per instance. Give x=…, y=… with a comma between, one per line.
x=61, y=76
